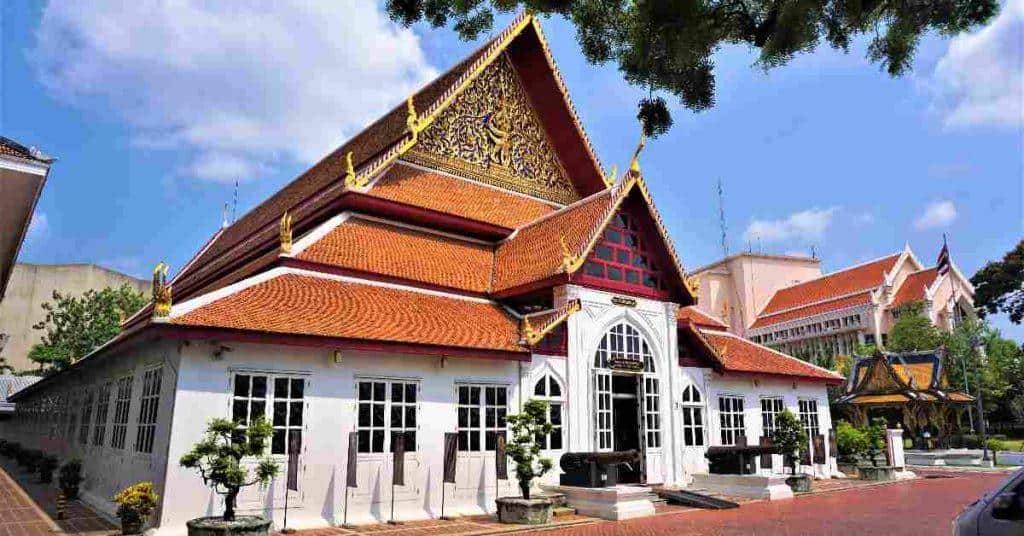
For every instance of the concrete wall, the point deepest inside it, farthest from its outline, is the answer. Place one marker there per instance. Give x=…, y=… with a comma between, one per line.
x=31, y=285
x=738, y=287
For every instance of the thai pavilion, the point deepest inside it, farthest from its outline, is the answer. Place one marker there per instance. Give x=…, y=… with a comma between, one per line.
x=461, y=255
x=911, y=389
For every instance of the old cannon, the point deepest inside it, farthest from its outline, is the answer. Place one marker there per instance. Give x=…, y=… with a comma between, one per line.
x=594, y=469
x=739, y=459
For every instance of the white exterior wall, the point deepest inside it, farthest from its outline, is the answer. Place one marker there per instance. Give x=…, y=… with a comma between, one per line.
x=197, y=386
x=106, y=470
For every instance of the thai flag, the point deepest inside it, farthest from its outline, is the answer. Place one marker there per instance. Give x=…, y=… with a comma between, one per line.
x=942, y=265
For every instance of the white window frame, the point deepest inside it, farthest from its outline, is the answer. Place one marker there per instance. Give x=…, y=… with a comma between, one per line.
x=86, y=420
x=732, y=422
x=270, y=397
x=770, y=417
x=149, y=406
x=103, y=396
x=554, y=401
x=482, y=410
x=693, y=421
x=388, y=406
x=809, y=418
x=122, y=407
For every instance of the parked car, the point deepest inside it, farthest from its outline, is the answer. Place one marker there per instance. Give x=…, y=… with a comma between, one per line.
x=997, y=513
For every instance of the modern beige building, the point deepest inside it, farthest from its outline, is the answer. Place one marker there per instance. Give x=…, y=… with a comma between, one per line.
x=30, y=286
x=788, y=304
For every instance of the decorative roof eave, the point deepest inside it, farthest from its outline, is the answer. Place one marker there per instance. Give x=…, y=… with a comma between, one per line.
x=549, y=320
x=708, y=347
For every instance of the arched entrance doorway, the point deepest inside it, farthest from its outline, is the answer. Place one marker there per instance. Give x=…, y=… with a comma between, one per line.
x=627, y=401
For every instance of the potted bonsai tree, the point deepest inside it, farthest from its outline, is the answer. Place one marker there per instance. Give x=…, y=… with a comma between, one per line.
x=134, y=506
x=852, y=444
x=790, y=438
x=524, y=450
x=218, y=458
x=70, y=478
x=875, y=434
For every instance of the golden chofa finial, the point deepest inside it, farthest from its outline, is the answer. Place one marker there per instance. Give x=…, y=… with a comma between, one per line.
x=634, y=163
x=285, y=232
x=570, y=261
x=412, y=118
x=351, y=179
x=161, y=292
x=693, y=285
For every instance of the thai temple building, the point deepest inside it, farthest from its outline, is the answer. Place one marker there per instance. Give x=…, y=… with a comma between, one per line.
x=787, y=303
x=460, y=256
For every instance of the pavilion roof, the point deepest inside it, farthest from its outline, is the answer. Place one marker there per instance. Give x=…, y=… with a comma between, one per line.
x=890, y=377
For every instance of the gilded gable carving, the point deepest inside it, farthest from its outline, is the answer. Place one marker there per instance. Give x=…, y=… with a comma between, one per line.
x=490, y=133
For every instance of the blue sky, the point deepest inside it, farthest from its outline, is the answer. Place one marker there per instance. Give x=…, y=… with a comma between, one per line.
x=154, y=108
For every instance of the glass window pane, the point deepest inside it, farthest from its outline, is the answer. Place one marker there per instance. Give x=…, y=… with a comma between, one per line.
x=613, y=236
x=364, y=390
x=242, y=385
x=463, y=417
x=378, y=441
x=615, y=274
x=364, y=415
x=603, y=252
x=239, y=410
x=474, y=395
x=280, y=413
x=295, y=416
x=633, y=277
x=556, y=439
x=295, y=442
x=281, y=387
x=378, y=391
x=463, y=440
x=410, y=441
x=259, y=386
x=396, y=416
x=491, y=397
x=364, y=441
x=257, y=409
x=622, y=256
x=556, y=390
x=410, y=393
x=474, y=441
x=463, y=395
x=541, y=388
x=298, y=388
x=594, y=269
x=277, y=444
x=410, y=416
x=556, y=414
x=397, y=392
x=378, y=415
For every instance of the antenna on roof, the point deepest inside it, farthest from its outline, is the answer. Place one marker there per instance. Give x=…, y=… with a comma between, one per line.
x=234, y=203
x=721, y=219
x=814, y=252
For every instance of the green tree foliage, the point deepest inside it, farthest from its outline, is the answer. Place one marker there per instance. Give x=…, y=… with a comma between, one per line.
x=875, y=435
x=668, y=45
x=76, y=325
x=851, y=442
x=999, y=286
x=789, y=437
x=913, y=332
x=219, y=455
x=524, y=449
x=999, y=369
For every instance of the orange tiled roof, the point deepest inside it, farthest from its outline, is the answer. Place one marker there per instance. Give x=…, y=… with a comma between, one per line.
x=535, y=251
x=737, y=354
x=380, y=248
x=880, y=399
x=434, y=191
x=814, y=309
x=913, y=287
x=858, y=278
x=536, y=325
x=694, y=315
x=309, y=305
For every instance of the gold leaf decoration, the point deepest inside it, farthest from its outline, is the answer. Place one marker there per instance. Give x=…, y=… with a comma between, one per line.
x=492, y=134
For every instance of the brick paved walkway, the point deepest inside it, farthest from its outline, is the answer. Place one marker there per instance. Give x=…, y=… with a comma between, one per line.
x=28, y=508
x=921, y=507
x=476, y=525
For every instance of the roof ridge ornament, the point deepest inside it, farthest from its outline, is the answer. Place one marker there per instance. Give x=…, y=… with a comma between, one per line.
x=612, y=176
x=634, y=163
x=351, y=179
x=285, y=232
x=161, y=292
x=570, y=261
x=532, y=335
x=412, y=120
x=692, y=284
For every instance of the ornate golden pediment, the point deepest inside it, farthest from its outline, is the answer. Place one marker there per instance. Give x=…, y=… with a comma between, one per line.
x=491, y=133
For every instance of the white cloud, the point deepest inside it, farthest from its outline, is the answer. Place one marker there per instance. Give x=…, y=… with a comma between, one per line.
x=936, y=214
x=980, y=79
x=805, y=225
x=237, y=86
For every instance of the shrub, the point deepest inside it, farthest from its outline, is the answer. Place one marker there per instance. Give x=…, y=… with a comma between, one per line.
x=218, y=458
x=135, y=503
x=524, y=449
x=995, y=445
x=789, y=437
x=70, y=478
x=851, y=442
x=47, y=464
x=875, y=434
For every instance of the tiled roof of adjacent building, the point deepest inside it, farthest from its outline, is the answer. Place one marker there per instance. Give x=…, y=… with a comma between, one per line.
x=381, y=248
x=913, y=287
x=737, y=354
x=699, y=318
x=313, y=305
x=854, y=300
x=9, y=147
x=862, y=277
x=458, y=197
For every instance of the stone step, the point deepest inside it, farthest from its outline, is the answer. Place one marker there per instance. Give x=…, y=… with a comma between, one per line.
x=563, y=511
